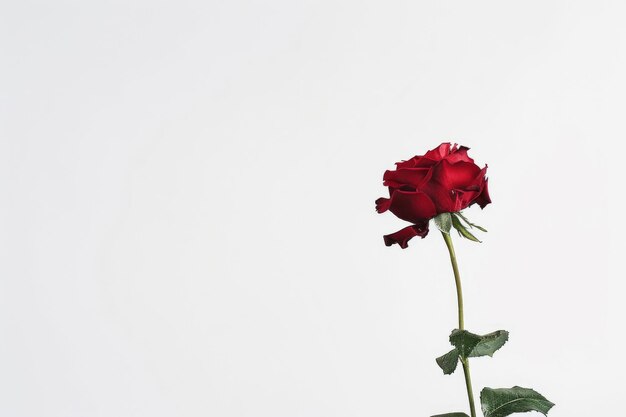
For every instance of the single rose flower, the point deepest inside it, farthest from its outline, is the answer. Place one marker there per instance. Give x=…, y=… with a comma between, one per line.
x=444, y=180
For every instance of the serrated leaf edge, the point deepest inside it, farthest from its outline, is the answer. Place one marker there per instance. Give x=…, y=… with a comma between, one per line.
x=469, y=354
x=506, y=339
x=456, y=363
x=550, y=403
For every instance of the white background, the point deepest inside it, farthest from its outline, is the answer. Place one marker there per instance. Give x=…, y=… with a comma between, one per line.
x=187, y=205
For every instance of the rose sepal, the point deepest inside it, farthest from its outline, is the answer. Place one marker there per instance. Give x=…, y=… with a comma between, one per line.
x=470, y=224
x=443, y=222
x=457, y=222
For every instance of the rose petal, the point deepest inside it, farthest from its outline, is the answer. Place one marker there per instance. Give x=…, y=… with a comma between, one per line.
x=459, y=175
x=409, y=176
x=483, y=199
x=409, y=163
x=412, y=206
x=426, y=162
x=465, y=198
x=397, y=185
x=439, y=152
x=454, y=187
x=382, y=204
x=458, y=155
x=402, y=237
x=442, y=197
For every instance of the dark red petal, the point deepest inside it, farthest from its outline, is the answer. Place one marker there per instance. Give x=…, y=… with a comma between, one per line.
x=483, y=199
x=410, y=176
x=442, y=197
x=439, y=152
x=460, y=154
x=409, y=163
x=465, y=198
x=457, y=185
x=402, y=237
x=393, y=185
x=382, y=204
x=426, y=162
x=460, y=175
x=412, y=206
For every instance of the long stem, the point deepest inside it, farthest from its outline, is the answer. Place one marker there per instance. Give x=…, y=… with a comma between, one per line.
x=459, y=299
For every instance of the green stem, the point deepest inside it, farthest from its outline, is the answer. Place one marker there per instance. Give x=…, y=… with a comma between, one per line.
x=459, y=299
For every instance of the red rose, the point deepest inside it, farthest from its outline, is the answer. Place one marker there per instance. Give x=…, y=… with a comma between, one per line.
x=444, y=180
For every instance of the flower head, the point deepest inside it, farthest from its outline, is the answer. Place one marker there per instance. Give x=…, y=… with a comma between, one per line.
x=444, y=180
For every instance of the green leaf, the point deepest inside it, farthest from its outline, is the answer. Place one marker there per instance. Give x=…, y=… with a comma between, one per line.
x=501, y=402
x=462, y=230
x=470, y=345
x=449, y=361
x=464, y=342
x=489, y=343
x=451, y=415
x=444, y=222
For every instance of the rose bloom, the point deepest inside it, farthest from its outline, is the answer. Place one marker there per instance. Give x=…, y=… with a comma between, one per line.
x=444, y=180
